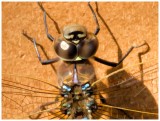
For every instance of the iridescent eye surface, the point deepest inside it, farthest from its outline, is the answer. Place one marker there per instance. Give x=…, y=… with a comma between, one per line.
x=88, y=46
x=65, y=49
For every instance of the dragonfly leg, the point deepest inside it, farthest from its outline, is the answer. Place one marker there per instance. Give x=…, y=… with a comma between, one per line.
x=95, y=18
x=45, y=22
x=113, y=64
x=43, y=62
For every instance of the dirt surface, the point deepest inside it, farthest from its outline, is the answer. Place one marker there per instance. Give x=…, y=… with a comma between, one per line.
x=122, y=24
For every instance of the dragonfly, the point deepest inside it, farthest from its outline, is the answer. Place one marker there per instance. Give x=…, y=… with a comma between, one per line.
x=27, y=97
x=79, y=95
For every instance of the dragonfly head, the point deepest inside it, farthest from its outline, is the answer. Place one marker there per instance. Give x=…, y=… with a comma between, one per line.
x=75, y=43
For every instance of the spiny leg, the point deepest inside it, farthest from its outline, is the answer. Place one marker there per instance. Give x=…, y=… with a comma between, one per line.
x=95, y=18
x=113, y=64
x=45, y=22
x=43, y=62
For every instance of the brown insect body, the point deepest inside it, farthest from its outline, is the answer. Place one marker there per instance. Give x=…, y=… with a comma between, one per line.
x=78, y=103
x=78, y=96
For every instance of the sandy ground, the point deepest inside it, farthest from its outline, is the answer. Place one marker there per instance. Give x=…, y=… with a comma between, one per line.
x=122, y=24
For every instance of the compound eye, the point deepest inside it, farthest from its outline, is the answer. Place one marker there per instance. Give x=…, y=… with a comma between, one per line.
x=88, y=46
x=65, y=49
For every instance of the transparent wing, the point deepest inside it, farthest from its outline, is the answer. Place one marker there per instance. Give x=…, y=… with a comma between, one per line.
x=131, y=95
x=23, y=97
x=123, y=96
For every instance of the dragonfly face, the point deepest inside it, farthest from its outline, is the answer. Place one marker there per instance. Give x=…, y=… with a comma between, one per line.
x=78, y=101
x=75, y=43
